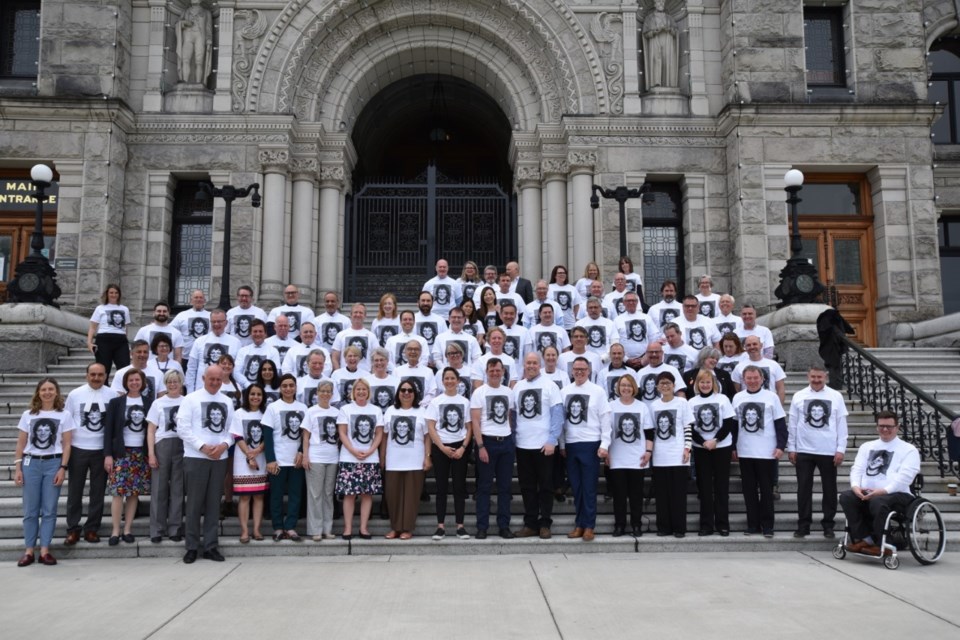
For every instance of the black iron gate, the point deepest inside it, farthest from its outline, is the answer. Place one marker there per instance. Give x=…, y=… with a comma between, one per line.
x=396, y=231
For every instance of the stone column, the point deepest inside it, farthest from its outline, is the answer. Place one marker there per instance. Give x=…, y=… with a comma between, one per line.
x=555, y=178
x=631, y=64
x=224, y=59
x=301, y=239
x=274, y=165
x=531, y=245
x=582, y=164
x=331, y=183
x=699, y=105
x=156, y=57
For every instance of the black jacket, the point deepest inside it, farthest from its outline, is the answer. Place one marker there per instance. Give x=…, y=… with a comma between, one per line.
x=113, y=428
x=726, y=382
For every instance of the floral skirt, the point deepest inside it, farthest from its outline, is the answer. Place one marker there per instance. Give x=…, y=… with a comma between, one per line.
x=359, y=478
x=131, y=474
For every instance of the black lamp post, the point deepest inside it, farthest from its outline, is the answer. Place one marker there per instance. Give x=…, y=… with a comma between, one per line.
x=36, y=280
x=229, y=193
x=621, y=195
x=799, y=281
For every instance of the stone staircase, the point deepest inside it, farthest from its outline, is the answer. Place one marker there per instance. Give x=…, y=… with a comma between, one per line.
x=15, y=391
x=936, y=371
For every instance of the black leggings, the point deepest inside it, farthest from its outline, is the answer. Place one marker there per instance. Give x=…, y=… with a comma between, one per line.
x=442, y=468
x=111, y=348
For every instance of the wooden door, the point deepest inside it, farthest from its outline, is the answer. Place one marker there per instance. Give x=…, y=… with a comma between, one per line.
x=843, y=253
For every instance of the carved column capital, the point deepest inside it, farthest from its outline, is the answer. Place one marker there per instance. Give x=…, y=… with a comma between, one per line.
x=528, y=176
x=553, y=168
x=582, y=160
x=274, y=160
x=304, y=168
x=332, y=175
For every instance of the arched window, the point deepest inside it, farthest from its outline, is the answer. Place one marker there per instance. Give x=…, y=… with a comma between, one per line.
x=945, y=89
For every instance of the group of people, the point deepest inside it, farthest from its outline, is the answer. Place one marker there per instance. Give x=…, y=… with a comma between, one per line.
x=559, y=378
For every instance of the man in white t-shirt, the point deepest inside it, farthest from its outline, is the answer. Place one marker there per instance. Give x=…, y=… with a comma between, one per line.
x=356, y=335
x=296, y=313
x=668, y=309
x=506, y=294
x=193, y=323
x=748, y=315
x=601, y=331
x=725, y=321
x=139, y=357
x=295, y=362
x=331, y=321
x=517, y=336
x=427, y=323
x=610, y=375
x=616, y=299
x=396, y=344
x=87, y=405
x=445, y=290
x=240, y=317
x=636, y=330
x=676, y=353
x=547, y=333
x=455, y=334
x=531, y=314
x=773, y=375
x=282, y=341
x=647, y=376
x=698, y=330
x=251, y=356
x=161, y=324
x=578, y=349
x=208, y=349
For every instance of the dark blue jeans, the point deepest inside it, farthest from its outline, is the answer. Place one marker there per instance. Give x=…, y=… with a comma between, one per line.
x=501, y=454
x=583, y=470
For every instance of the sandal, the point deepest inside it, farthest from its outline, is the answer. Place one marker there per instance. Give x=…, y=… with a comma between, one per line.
x=293, y=535
x=258, y=536
x=244, y=539
x=391, y=535
x=279, y=535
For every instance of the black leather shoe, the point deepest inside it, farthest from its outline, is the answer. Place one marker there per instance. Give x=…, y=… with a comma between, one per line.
x=506, y=534
x=176, y=538
x=724, y=533
x=213, y=554
x=481, y=534
x=637, y=532
x=705, y=532
x=801, y=533
x=618, y=531
x=828, y=533
x=156, y=539
x=190, y=557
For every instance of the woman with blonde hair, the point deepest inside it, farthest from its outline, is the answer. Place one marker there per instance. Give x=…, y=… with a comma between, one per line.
x=590, y=273
x=360, y=425
x=387, y=323
x=714, y=436
x=165, y=455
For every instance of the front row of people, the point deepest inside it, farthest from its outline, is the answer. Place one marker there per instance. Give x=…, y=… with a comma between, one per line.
x=360, y=450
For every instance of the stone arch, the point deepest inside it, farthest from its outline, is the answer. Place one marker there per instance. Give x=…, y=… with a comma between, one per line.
x=940, y=19
x=556, y=56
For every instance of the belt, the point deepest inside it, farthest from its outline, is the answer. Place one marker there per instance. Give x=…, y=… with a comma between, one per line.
x=49, y=457
x=487, y=438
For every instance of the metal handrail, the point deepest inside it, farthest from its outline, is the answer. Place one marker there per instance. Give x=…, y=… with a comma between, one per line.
x=924, y=420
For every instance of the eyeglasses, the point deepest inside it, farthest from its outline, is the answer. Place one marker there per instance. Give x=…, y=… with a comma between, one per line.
x=886, y=426
x=405, y=390
x=451, y=354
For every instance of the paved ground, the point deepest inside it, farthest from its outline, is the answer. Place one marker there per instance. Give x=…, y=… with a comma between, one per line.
x=686, y=595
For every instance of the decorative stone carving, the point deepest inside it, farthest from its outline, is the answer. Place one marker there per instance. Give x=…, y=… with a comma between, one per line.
x=304, y=166
x=332, y=174
x=661, y=57
x=195, y=44
x=582, y=159
x=274, y=158
x=254, y=26
x=554, y=166
x=528, y=174
x=606, y=29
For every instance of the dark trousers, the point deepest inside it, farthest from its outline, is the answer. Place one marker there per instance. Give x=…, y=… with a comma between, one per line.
x=627, y=485
x=290, y=482
x=867, y=517
x=203, y=482
x=502, y=454
x=713, y=487
x=111, y=348
x=81, y=462
x=560, y=474
x=806, y=463
x=402, y=493
x=535, y=475
x=443, y=469
x=583, y=469
x=756, y=476
x=670, y=488
x=166, y=489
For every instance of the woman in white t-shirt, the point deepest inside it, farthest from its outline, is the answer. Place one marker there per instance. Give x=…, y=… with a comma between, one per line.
x=406, y=458
x=714, y=427
x=634, y=283
x=590, y=273
x=250, y=460
x=107, y=335
x=565, y=295
x=283, y=426
x=161, y=361
x=321, y=452
x=387, y=323
x=165, y=455
x=672, y=422
x=472, y=325
x=448, y=423
x=43, y=451
x=631, y=447
x=360, y=424
x=732, y=353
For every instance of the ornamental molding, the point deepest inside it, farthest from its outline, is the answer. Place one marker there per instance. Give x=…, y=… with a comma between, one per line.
x=527, y=174
x=273, y=158
x=582, y=159
x=304, y=165
x=650, y=141
x=554, y=166
x=206, y=138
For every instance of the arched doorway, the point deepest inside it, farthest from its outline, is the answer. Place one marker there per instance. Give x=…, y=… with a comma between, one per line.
x=431, y=181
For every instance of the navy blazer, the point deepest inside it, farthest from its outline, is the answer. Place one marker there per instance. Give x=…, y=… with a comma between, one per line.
x=524, y=290
x=116, y=417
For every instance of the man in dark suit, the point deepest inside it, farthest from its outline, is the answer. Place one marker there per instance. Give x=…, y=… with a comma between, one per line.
x=520, y=286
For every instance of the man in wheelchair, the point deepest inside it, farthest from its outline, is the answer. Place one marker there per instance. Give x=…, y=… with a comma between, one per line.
x=879, y=482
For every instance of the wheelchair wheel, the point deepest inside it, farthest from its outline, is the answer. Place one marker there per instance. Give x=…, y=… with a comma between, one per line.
x=839, y=552
x=926, y=532
x=891, y=562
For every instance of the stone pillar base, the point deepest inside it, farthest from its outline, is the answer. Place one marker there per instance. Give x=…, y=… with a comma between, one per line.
x=188, y=98
x=795, y=336
x=33, y=336
x=662, y=101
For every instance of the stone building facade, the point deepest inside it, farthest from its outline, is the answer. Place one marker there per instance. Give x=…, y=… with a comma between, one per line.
x=709, y=101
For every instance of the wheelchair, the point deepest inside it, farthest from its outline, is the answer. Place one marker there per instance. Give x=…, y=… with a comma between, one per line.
x=919, y=527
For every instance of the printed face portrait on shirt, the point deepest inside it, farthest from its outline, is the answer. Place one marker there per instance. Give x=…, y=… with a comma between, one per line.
x=346, y=389
x=511, y=346
x=530, y=403
x=612, y=382
x=330, y=331
x=451, y=418
x=136, y=418
x=387, y=332
x=879, y=462
x=668, y=315
x=172, y=413
x=576, y=408
x=628, y=427
x=199, y=327
x=708, y=417
x=362, y=430
x=464, y=388
x=252, y=367
x=360, y=342
x=563, y=299
x=698, y=338
x=725, y=327
x=92, y=418
x=428, y=330
x=497, y=409
x=215, y=416
x=149, y=391
x=253, y=433
x=816, y=413
x=294, y=318
x=620, y=306
x=291, y=423
x=666, y=424
x=214, y=351
x=442, y=294
x=117, y=320
x=675, y=360
x=401, y=431
x=546, y=339
x=328, y=429
x=706, y=308
x=765, y=371
x=648, y=387
x=242, y=326
x=637, y=330
x=43, y=433
x=597, y=337
x=751, y=417
x=382, y=396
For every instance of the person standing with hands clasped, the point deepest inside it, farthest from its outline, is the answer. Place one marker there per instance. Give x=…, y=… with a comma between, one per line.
x=672, y=422
x=405, y=455
x=43, y=454
x=283, y=424
x=107, y=335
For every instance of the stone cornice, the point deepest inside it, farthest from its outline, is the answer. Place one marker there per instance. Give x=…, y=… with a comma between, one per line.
x=825, y=115
x=76, y=109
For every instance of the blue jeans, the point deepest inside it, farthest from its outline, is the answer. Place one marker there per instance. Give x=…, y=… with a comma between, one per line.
x=39, y=501
x=501, y=464
x=583, y=470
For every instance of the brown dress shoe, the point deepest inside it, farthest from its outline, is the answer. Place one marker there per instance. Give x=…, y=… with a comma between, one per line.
x=588, y=535
x=48, y=559
x=26, y=560
x=92, y=537
x=545, y=533
x=856, y=547
x=871, y=550
x=73, y=537
x=576, y=533
x=526, y=532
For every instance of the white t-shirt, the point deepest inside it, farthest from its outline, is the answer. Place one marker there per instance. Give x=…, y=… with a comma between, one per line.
x=343, y=380
x=205, y=351
x=248, y=426
x=634, y=283
x=163, y=413
x=324, y=438
x=204, y=419
x=698, y=333
x=664, y=312
x=249, y=360
x=45, y=431
x=885, y=465
x=287, y=422
x=727, y=324
x=729, y=363
x=614, y=302
x=191, y=324
x=421, y=376
x=566, y=297
x=671, y=422
x=586, y=414
x=87, y=408
x=560, y=377
x=446, y=294
x=362, y=424
x=405, y=431
x=765, y=335
x=708, y=416
x=636, y=331
x=756, y=413
x=383, y=391
x=429, y=327
x=511, y=369
x=818, y=422
x=464, y=387
x=135, y=424
x=111, y=318
x=566, y=359
x=682, y=358
x=451, y=415
x=385, y=328
x=531, y=313
x=610, y=378
x=495, y=405
x=157, y=370
x=516, y=342
x=307, y=390
x=535, y=400
x=154, y=383
x=601, y=333
x=396, y=345
x=365, y=339
x=297, y=359
x=709, y=305
x=328, y=326
x=771, y=370
x=647, y=381
x=469, y=344
x=150, y=331
x=239, y=319
x=628, y=441
x=282, y=345
x=539, y=337
x=297, y=314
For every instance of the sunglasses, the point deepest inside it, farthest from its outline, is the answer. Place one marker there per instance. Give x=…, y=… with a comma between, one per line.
x=405, y=390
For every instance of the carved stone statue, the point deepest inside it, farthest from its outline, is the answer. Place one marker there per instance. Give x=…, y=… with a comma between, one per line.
x=660, y=50
x=195, y=44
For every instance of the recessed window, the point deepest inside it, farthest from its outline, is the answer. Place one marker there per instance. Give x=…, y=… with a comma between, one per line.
x=19, y=38
x=192, y=239
x=823, y=39
x=945, y=88
x=949, y=230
